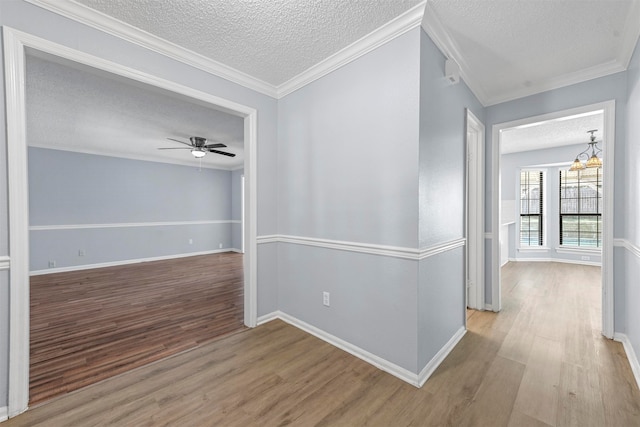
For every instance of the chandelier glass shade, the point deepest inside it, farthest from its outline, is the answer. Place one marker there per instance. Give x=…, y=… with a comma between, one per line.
x=590, y=155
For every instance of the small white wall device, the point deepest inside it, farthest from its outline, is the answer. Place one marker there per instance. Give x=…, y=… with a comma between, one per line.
x=452, y=71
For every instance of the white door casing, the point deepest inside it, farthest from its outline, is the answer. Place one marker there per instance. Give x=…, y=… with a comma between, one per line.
x=15, y=45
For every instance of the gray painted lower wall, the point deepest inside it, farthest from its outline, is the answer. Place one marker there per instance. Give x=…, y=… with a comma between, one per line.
x=114, y=244
x=4, y=332
x=373, y=298
x=267, y=278
x=441, y=299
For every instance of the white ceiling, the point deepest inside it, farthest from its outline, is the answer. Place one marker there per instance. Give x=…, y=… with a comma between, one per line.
x=508, y=49
x=505, y=48
x=552, y=133
x=79, y=109
x=272, y=40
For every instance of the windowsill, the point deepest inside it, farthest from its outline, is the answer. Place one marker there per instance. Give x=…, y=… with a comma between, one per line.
x=534, y=249
x=578, y=250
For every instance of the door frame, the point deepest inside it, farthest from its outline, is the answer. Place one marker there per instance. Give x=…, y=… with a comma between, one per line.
x=609, y=114
x=16, y=44
x=474, y=213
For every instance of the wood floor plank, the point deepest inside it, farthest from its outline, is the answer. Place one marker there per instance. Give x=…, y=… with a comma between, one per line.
x=93, y=324
x=276, y=375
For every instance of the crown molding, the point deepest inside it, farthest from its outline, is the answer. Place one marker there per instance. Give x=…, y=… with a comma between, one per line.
x=394, y=28
x=632, y=36
x=445, y=42
x=98, y=20
x=432, y=25
x=600, y=70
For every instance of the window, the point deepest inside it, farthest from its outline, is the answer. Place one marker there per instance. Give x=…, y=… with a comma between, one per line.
x=581, y=208
x=531, y=208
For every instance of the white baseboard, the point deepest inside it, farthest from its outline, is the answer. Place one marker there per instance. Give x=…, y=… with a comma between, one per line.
x=488, y=307
x=123, y=262
x=4, y=413
x=267, y=318
x=380, y=363
x=564, y=261
x=631, y=355
x=433, y=364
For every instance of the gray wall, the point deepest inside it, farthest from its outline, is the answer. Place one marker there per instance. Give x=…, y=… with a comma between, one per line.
x=631, y=203
x=34, y=20
x=348, y=171
x=589, y=92
x=441, y=289
x=510, y=167
x=67, y=188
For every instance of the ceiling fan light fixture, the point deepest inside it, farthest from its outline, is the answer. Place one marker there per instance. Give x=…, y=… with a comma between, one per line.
x=198, y=153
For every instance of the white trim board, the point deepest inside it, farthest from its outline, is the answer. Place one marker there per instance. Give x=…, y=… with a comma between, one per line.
x=609, y=113
x=416, y=380
x=125, y=262
x=631, y=355
x=129, y=224
x=15, y=43
x=624, y=243
x=558, y=260
x=378, y=362
x=5, y=263
x=367, y=248
x=87, y=16
x=437, y=360
x=4, y=413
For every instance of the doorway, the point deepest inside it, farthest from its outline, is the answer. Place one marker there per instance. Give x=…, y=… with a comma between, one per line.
x=608, y=120
x=16, y=44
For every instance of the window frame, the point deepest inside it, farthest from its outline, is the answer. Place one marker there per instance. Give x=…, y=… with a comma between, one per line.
x=542, y=238
x=597, y=215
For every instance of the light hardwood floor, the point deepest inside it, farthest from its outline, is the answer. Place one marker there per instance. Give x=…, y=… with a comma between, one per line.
x=93, y=324
x=540, y=362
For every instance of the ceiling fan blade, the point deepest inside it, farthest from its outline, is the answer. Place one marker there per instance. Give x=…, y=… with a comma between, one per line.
x=175, y=148
x=217, y=145
x=221, y=152
x=181, y=142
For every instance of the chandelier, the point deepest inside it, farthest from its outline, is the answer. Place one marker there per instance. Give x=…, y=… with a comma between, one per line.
x=592, y=162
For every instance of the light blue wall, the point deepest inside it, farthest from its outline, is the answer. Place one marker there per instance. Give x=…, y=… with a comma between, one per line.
x=441, y=200
x=67, y=188
x=631, y=203
x=34, y=20
x=510, y=167
x=348, y=171
x=590, y=92
x=348, y=157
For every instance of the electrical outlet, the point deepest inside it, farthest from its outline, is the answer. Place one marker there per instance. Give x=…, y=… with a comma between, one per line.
x=191, y=241
x=81, y=252
x=326, y=299
x=586, y=258
x=52, y=264
x=220, y=245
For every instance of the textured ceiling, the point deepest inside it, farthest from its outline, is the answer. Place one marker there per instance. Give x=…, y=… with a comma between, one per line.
x=552, y=133
x=78, y=109
x=272, y=40
x=509, y=49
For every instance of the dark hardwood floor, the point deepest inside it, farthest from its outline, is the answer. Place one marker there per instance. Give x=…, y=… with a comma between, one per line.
x=93, y=324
